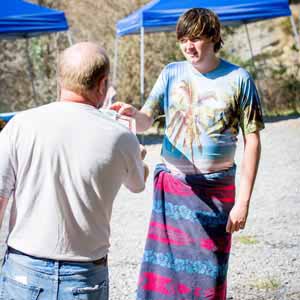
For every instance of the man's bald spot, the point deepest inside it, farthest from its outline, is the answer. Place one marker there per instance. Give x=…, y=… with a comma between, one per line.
x=81, y=53
x=81, y=65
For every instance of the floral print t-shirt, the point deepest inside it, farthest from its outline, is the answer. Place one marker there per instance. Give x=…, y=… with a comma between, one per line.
x=203, y=115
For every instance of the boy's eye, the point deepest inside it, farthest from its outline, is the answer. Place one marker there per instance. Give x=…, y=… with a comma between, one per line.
x=183, y=40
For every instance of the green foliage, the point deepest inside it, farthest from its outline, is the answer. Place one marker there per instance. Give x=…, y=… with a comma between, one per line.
x=278, y=81
x=282, y=89
x=286, y=26
x=37, y=53
x=248, y=64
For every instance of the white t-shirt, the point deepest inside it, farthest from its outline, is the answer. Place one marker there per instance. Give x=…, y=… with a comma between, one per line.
x=63, y=164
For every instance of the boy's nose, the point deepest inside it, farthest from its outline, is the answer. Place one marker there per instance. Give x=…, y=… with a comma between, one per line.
x=189, y=44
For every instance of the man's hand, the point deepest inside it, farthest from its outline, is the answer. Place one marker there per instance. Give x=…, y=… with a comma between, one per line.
x=146, y=171
x=237, y=217
x=143, y=155
x=124, y=109
x=143, y=152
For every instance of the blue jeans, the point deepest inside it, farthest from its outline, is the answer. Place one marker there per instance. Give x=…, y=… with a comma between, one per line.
x=25, y=277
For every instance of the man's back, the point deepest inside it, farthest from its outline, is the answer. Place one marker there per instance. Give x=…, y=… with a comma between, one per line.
x=70, y=160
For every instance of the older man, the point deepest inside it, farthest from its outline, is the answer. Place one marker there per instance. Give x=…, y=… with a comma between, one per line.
x=63, y=164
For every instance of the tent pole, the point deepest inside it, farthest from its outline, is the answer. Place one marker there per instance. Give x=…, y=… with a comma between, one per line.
x=69, y=36
x=253, y=60
x=250, y=46
x=142, y=65
x=296, y=34
x=142, y=54
x=114, y=79
x=30, y=71
x=57, y=61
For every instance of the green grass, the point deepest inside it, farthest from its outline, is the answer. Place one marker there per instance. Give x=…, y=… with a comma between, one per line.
x=268, y=284
x=247, y=239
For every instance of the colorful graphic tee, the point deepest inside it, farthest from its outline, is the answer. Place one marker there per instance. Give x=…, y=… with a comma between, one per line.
x=203, y=115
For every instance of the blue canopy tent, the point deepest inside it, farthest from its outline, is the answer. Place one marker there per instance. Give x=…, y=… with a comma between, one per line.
x=162, y=15
x=21, y=19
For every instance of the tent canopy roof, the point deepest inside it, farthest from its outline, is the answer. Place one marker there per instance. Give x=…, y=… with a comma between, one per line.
x=162, y=15
x=23, y=19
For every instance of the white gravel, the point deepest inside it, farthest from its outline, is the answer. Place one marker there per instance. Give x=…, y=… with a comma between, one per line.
x=265, y=257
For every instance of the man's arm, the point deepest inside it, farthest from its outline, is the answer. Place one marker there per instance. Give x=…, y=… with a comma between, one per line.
x=238, y=215
x=143, y=121
x=132, y=155
x=7, y=171
x=3, y=205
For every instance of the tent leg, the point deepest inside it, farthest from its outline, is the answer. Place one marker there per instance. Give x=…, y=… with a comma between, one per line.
x=142, y=72
x=142, y=53
x=57, y=56
x=296, y=34
x=114, y=80
x=253, y=60
x=69, y=36
x=30, y=71
x=250, y=47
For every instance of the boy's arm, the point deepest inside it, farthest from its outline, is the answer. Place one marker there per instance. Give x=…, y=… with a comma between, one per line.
x=238, y=215
x=143, y=121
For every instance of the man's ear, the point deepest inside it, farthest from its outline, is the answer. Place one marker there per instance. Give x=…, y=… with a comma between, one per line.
x=102, y=85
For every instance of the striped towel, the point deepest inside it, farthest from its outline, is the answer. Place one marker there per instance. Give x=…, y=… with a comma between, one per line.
x=187, y=247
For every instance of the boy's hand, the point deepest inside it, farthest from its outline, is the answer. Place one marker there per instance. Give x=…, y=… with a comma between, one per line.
x=237, y=217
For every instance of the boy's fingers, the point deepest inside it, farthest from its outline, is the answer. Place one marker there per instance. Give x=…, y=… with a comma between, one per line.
x=127, y=110
x=116, y=106
x=228, y=226
x=123, y=110
x=235, y=227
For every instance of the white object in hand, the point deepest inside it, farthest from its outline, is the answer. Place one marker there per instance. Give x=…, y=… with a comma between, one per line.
x=124, y=120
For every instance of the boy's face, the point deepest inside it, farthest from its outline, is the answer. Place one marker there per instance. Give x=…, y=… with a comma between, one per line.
x=198, y=50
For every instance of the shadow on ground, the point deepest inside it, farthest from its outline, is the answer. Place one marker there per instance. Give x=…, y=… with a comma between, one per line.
x=150, y=139
x=281, y=118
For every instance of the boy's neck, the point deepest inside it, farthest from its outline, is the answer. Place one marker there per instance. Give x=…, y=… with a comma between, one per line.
x=207, y=65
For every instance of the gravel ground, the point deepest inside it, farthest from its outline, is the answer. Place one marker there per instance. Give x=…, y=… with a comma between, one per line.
x=265, y=257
